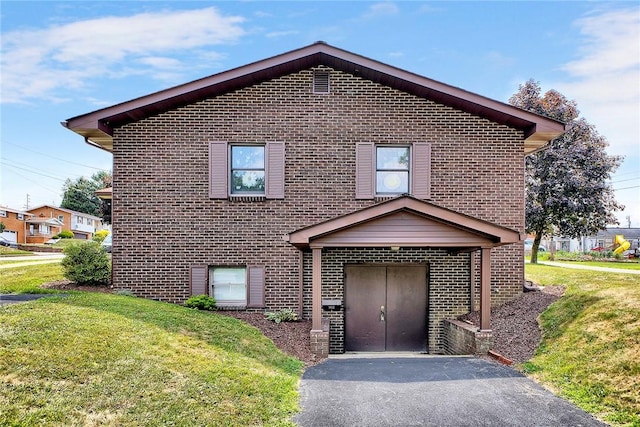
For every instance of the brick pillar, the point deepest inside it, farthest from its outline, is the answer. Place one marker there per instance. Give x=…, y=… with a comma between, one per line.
x=320, y=340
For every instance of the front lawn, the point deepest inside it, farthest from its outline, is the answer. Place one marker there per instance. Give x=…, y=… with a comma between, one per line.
x=28, y=278
x=102, y=359
x=628, y=265
x=591, y=342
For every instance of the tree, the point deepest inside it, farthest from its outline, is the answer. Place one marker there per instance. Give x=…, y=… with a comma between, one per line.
x=79, y=195
x=566, y=183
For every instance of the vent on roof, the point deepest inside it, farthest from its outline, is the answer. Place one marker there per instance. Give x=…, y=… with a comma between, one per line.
x=321, y=82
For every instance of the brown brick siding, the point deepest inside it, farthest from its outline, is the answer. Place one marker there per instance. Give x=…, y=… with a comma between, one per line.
x=164, y=221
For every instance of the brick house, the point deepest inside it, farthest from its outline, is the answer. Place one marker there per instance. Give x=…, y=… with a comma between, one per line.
x=82, y=225
x=377, y=202
x=15, y=225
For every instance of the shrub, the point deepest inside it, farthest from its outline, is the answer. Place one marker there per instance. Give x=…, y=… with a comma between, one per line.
x=65, y=234
x=284, y=315
x=201, y=302
x=99, y=236
x=86, y=264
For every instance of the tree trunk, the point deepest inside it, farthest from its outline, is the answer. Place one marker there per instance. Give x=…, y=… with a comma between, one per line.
x=535, y=246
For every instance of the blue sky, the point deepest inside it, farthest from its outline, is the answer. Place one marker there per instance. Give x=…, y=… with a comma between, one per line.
x=63, y=59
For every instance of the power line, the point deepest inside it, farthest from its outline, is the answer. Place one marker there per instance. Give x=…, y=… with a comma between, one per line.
x=626, y=188
x=25, y=167
x=53, y=157
x=625, y=180
x=31, y=171
x=39, y=184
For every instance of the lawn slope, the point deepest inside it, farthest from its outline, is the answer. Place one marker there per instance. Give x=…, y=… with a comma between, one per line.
x=101, y=359
x=590, y=352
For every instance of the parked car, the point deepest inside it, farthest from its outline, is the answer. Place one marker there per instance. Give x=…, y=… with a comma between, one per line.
x=106, y=243
x=528, y=245
x=7, y=243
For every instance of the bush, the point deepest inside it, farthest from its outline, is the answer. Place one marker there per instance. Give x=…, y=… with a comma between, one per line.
x=86, y=264
x=201, y=302
x=284, y=315
x=99, y=236
x=65, y=234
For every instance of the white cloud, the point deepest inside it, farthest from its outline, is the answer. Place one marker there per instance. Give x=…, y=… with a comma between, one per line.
x=35, y=63
x=381, y=10
x=276, y=34
x=604, y=79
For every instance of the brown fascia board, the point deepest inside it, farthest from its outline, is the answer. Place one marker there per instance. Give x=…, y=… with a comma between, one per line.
x=97, y=127
x=500, y=235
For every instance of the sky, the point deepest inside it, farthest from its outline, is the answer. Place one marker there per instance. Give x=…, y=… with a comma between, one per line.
x=63, y=59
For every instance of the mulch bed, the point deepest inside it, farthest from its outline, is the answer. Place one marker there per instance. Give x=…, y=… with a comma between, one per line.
x=516, y=333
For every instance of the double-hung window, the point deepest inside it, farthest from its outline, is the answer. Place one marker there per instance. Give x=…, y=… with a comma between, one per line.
x=385, y=170
x=229, y=286
x=392, y=170
x=238, y=170
x=247, y=169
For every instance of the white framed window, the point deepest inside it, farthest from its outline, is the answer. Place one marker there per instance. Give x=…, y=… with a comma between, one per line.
x=392, y=170
x=228, y=286
x=3, y=214
x=247, y=169
x=20, y=216
x=61, y=218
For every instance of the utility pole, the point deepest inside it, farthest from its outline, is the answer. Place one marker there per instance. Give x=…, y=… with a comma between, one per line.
x=26, y=206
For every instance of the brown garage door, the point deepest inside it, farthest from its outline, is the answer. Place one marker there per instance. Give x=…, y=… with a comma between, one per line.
x=385, y=308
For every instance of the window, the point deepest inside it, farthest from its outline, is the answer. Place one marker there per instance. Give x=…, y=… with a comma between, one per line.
x=237, y=287
x=255, y=170
x=247, y=169
x=3, y=214
x=229, y=286
x=392, y=170
x=20, y=216
x=61, y=218
x=389, y=170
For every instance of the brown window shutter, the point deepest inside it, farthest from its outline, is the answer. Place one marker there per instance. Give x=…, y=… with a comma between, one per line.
x=218, y=170
x=198, y=280
x=421, y=170
x=255, y=286
x=275, y=170
x=365, y=170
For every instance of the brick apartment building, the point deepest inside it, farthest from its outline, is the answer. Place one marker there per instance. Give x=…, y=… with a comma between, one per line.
x=377, y=202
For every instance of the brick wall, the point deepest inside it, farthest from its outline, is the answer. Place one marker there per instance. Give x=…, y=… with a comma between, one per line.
x=164, y=221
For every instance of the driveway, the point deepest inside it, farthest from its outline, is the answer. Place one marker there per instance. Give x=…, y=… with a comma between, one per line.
x=428, y=391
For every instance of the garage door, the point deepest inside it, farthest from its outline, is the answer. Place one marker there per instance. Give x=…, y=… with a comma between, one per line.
x=385, y=308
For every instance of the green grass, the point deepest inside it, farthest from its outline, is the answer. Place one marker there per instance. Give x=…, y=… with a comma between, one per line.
x=591, y=342
x=28, y=278
x=9, y=252
x=101, y=359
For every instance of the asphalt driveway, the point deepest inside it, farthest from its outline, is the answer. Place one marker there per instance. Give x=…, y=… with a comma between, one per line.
x=428, y=391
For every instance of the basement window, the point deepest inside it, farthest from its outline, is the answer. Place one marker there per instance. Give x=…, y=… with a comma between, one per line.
x=320, y=82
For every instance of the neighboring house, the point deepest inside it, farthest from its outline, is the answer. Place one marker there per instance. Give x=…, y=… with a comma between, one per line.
x=606, y=238
x=15, y=224
x=82, y=225
x=376, y=202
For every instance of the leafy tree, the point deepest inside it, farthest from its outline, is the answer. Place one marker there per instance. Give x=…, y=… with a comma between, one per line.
x=566, y=183
x=79, y=195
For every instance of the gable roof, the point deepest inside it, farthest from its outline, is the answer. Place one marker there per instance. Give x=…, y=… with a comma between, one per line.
x=85, y=215
x=425, y=225
x=97, y=127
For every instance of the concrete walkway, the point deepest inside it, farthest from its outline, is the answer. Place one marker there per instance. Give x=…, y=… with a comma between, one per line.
x=428, y=391
x=578, y=266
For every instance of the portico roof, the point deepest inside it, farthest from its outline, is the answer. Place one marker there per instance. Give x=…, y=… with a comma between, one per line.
x=404, y=222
